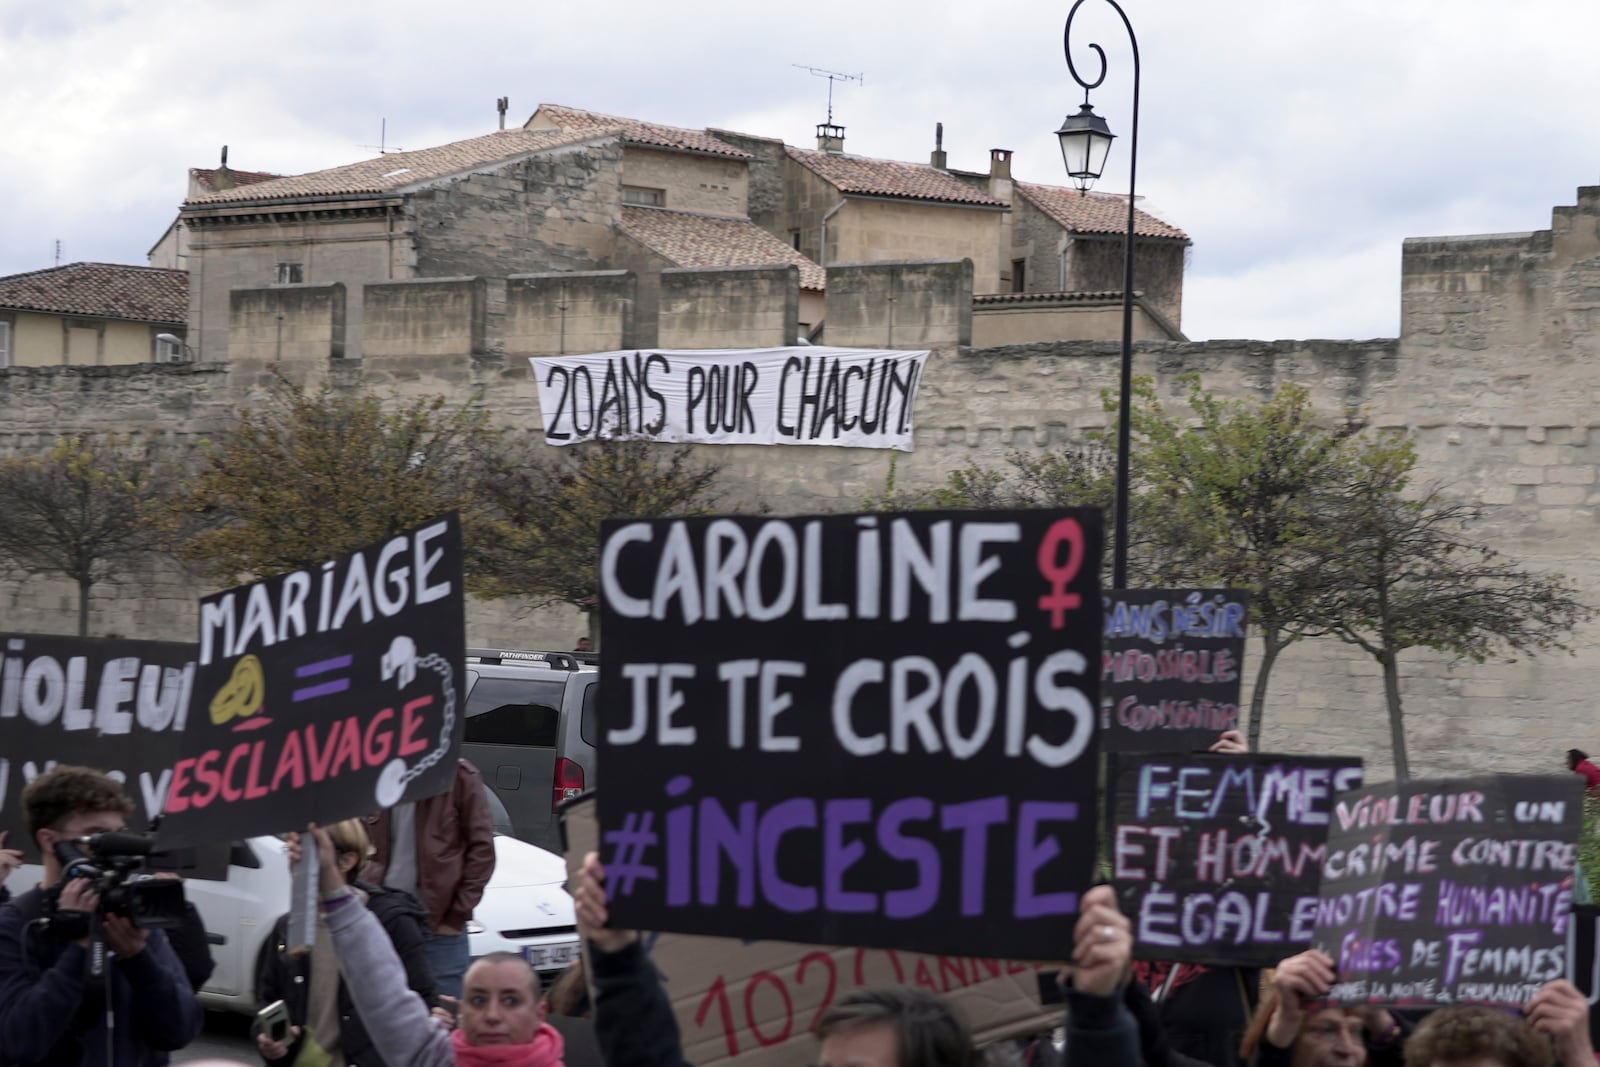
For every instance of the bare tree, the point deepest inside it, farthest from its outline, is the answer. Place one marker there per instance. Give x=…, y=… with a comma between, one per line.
x=1411, y=576
x=82, y=511
x=548, y=504
x=311, y=474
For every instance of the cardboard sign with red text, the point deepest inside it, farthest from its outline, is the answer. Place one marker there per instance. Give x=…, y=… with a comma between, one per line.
x=755, y=1002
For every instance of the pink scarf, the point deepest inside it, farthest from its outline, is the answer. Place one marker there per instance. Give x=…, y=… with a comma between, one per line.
x=545, y=1050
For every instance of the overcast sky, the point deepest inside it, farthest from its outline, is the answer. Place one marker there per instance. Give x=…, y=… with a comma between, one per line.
x=1298, y=143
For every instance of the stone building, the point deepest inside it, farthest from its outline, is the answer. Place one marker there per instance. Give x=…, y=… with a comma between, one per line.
x=171, y=250
x=92, y=315
x=573, y=190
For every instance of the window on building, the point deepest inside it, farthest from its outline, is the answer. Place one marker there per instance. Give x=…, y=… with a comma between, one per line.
x=794, y=239
x=1019, y=275
x=639, y=196
x=83, y=343
x=291, y=273
x=5, y=344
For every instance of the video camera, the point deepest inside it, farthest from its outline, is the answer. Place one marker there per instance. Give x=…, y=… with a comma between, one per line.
x=115, y=864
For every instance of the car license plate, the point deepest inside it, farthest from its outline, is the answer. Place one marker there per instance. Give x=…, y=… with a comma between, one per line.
x=549, y=957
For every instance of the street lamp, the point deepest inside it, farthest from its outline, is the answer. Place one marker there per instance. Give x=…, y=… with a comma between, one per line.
x=1085, y=142
x=179, y=343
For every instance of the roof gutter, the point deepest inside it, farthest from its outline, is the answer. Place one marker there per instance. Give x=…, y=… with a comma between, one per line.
x=234, y=206
x=16, y=309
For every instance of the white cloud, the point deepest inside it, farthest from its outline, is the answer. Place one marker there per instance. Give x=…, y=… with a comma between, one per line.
x=1298, y=144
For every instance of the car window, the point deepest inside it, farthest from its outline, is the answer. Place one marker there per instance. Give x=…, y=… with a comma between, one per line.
x=513, y=711
x=586, y=723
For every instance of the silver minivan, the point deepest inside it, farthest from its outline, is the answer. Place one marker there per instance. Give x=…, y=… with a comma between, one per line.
x=531, y=729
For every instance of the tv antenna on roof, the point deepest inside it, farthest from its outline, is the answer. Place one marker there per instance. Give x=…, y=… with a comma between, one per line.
x=832, y=76
x=383, y=147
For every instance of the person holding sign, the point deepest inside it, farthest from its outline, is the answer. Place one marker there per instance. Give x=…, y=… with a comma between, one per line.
x=502, y=1021
x=894, y=1027
x=309, y=984
x=1295, y=1027
x=1556, y=1020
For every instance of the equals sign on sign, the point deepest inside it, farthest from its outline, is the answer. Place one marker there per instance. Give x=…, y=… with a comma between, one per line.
x=320, y=670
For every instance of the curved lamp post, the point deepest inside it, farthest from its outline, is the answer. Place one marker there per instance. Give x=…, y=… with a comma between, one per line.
x=1085, y=143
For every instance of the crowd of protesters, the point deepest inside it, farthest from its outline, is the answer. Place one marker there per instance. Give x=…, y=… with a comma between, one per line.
x=367, y=993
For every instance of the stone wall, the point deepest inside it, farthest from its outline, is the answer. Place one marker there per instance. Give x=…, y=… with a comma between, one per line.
x=734, y=307
x=350, y=245
x=899, y=305
x=877, y=231
x=415, y=327
x=1495, y=375
x=285, y=324
x=559, y=314
x=1022, y=318
x=709, y=185
x=548, y=212
x=764, y=199
x=1099, y=265
x=1038, y=240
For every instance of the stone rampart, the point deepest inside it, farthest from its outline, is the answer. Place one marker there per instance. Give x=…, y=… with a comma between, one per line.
x=1494, y=376
x=731, y=307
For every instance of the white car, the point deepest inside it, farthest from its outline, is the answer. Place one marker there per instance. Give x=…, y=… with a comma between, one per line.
x=525, y=909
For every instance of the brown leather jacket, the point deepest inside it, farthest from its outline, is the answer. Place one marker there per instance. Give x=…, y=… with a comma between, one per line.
x=455, y=849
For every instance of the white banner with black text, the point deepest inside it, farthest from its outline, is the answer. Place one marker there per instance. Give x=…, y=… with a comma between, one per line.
x=807, y=395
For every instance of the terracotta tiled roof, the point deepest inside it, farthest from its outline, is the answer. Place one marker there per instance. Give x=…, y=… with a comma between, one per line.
x=885, y=177
x=205, y=177
x=703, y=241
x=635, y=132
x=397, y=170
x=1094, y=213
x=102, y=291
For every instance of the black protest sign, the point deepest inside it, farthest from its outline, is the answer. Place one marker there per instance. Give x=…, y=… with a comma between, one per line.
x=325, y=693
x=1170, y=667
x=1217, y=859
x=872, y=730
x=117, y=706
x=1450, y=891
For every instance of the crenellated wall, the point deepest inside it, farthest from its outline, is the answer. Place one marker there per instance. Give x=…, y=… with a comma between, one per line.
x=1495, y=373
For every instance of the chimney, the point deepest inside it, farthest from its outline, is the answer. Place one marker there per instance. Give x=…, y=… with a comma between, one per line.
x=937, y=159
x=222, y=177
x=1000, y=164
x=830, y=138
x=502, y=105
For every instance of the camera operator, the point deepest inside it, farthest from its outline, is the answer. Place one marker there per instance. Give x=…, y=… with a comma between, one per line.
x=52, y=1009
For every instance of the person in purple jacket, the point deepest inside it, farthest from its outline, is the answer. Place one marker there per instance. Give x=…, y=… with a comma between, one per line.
x=53, y=1013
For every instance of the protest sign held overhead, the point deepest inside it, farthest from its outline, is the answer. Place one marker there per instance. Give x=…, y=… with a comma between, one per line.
x=1217, y=858
x=872, y=730
x=1171, y=665
x=325, y=693
x=810, y=395
x=118, y=706
x=1450, y=891
x=755, y=1002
